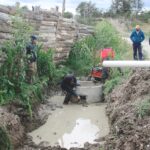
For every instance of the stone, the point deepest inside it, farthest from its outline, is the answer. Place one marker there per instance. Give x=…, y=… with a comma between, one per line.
x=13, y=126
x=48, y=28
x=4, y=28
x=48, y=23
x=4, y=9
x=5, y=17
x=6, y=36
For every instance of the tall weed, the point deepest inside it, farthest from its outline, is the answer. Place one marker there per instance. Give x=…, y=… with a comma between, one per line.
x=5, y=143
x=108, y=37
x=45, y=64
x=143, y=108
x=82, y=55
x=13, y=71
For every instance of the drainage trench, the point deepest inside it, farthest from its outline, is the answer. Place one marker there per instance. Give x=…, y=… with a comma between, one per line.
x=73, y=125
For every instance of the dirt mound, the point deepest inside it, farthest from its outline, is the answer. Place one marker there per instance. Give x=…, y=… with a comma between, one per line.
x=130, y=123
x=11, y=123
x=15, y=122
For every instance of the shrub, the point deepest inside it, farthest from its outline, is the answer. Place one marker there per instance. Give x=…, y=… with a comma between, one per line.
x=68, y=15
x=107, y=36
x=143, y=108
x=13, y=70
x=82, y=55
x=45, y=64
x=12, y=73
x=144, y=16
x=5, y=143
x=61, y=71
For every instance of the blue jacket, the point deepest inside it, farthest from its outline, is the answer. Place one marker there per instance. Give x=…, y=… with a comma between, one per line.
x=137, y=38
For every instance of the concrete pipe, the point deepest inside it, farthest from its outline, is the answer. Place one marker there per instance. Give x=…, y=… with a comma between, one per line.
x=91, y=90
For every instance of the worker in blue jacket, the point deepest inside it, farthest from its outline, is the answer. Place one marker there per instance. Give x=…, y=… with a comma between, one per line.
x=137, y=38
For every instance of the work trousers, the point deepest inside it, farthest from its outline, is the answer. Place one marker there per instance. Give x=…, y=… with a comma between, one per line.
x=70, y=93
x=137, y=48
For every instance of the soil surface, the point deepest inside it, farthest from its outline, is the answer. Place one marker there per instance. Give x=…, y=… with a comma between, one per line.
x=130, y=123
x=12, y=124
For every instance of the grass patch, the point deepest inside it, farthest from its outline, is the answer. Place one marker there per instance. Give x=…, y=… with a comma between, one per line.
x=143, y=108
x=5, y=143
x=82, y=55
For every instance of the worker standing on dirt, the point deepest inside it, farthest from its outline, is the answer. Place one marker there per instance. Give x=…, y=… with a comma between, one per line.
x=68, y=84
x=137, y=37
x=31, y=53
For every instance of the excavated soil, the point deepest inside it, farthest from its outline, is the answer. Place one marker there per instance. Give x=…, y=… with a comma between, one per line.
x=11, y=123
x=129, y=131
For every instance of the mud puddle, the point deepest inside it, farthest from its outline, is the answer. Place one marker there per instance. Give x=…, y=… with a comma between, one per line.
x=73, y=125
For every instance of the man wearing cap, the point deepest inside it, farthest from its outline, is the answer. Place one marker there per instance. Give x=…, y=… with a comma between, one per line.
x=31, y=53
x=137, y=37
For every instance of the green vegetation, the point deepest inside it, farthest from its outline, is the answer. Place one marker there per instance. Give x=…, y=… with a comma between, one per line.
x=107, y=36
x=120, y=7
x=143, y=108
x=115, y=79
x=87, y=13
x=81, y=55
x=85, y=53
x=144, y=17
x=47, y=69
x=5, y=143
x=45, y=64
x=68, y=15
x=13, y=74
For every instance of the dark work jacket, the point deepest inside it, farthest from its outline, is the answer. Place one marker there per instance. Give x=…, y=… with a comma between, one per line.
x=31, y=51
x=69, y=81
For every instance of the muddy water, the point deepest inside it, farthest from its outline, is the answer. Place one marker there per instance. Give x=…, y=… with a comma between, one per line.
x=73, y=125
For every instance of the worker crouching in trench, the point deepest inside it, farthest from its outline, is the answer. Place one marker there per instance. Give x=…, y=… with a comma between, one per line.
x=68, y=85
